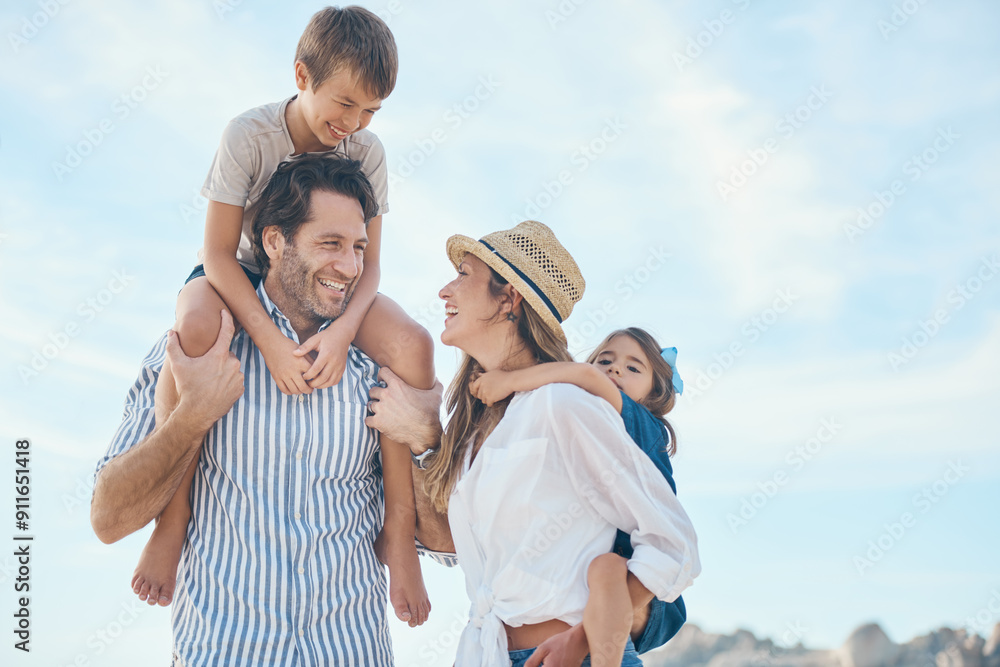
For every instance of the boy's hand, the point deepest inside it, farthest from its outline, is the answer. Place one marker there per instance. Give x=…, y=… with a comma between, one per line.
x=330, y=347
x=286, y=368
x=491, y=386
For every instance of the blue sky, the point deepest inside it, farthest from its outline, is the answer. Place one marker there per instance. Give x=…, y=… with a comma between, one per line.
x=869, y=346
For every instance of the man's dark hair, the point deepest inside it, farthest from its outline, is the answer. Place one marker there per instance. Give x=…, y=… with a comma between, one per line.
x=285, y=202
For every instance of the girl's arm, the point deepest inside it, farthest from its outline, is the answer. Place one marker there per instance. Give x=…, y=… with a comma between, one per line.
x=494, y=386
x=223, y=228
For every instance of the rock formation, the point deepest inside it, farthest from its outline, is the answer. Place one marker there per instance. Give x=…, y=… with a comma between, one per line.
x=868, y=646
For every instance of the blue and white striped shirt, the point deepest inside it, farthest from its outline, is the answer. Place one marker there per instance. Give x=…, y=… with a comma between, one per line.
x=278, y=567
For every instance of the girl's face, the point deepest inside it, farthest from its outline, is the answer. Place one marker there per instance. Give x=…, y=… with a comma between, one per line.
x=627, y=366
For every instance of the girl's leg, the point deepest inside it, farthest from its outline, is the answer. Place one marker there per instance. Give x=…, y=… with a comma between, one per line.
x=607, y=618
x=390, y=337
x=199, y=318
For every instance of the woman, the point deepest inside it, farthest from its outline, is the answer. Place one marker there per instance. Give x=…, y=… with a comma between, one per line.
x=536, y=486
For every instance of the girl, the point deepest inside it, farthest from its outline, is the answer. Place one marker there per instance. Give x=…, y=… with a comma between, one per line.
x=639, y=379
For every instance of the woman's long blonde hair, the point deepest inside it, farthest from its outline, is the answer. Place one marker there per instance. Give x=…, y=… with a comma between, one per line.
x=469, y=420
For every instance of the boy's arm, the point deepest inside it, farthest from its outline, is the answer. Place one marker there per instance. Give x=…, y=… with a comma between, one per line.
x=332, y=343
x=488, y=386
x=223, y=228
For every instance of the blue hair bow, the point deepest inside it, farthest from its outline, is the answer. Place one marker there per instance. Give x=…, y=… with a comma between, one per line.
x=669, y=355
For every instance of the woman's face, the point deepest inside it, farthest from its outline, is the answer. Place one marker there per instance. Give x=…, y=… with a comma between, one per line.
x=469, y=307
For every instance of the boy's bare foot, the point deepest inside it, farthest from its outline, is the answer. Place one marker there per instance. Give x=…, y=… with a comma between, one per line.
x=156, y=574
x=406, y=582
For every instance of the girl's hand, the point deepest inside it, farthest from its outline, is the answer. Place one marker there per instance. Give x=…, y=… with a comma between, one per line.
x=286, y=368
x=491, y=387
x=330, y=348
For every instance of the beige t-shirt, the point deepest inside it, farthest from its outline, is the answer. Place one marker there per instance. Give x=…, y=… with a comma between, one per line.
x=254, y=144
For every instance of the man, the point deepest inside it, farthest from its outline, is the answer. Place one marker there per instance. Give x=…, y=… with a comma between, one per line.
x=279, y=566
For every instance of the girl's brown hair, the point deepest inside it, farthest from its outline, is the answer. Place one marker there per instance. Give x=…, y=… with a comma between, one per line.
x=469, y=420
x=660, y=399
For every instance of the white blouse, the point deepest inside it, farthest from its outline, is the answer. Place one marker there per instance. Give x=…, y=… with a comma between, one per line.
x=544, y=496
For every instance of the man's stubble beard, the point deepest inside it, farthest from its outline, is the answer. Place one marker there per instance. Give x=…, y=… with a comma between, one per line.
x=299, y=286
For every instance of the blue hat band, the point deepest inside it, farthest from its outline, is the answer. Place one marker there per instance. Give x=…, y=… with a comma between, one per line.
x=529, y=281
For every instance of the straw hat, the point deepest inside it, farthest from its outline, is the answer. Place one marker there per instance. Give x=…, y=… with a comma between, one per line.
x=531, y=259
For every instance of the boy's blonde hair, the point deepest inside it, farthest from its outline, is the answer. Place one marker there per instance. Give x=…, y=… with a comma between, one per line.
x=354, y=40
x=660, y=399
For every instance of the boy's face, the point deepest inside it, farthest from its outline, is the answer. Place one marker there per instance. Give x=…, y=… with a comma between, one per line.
x=339, y=107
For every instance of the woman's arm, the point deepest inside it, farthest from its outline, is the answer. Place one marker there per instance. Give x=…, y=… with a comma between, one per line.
x=494, y=386
x=433, y=529
x=412, y=417
x=573, y=642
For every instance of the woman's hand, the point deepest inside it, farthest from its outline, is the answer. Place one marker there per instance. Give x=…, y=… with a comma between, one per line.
x=491, y=387
x=566, y=649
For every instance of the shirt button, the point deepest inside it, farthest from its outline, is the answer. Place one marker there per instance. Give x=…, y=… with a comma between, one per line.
x=301, y=398
x=302, y=570
x=298, y=455
x=298, y=516
x=301, y=633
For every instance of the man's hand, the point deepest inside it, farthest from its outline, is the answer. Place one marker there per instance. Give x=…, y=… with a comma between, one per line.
x=207, y=386
x=566, y=649
x=404, y=414
x=330, y=348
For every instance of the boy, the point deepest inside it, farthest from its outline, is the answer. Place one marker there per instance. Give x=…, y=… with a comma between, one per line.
x=345, y=66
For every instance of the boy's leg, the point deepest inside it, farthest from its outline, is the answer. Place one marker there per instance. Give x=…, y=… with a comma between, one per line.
x=390, y=337
x=199, y=318
x=607, y=618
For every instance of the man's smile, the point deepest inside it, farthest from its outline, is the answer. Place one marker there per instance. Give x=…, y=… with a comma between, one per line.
x=332, y=284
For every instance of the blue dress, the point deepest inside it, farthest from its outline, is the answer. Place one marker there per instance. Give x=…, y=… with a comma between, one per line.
x=665, y=618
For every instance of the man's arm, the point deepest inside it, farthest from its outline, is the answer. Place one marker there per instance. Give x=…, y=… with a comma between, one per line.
x=134, y=487
x=412, y=417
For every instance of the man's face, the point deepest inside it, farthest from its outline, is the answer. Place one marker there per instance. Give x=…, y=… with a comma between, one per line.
x=316, y=272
